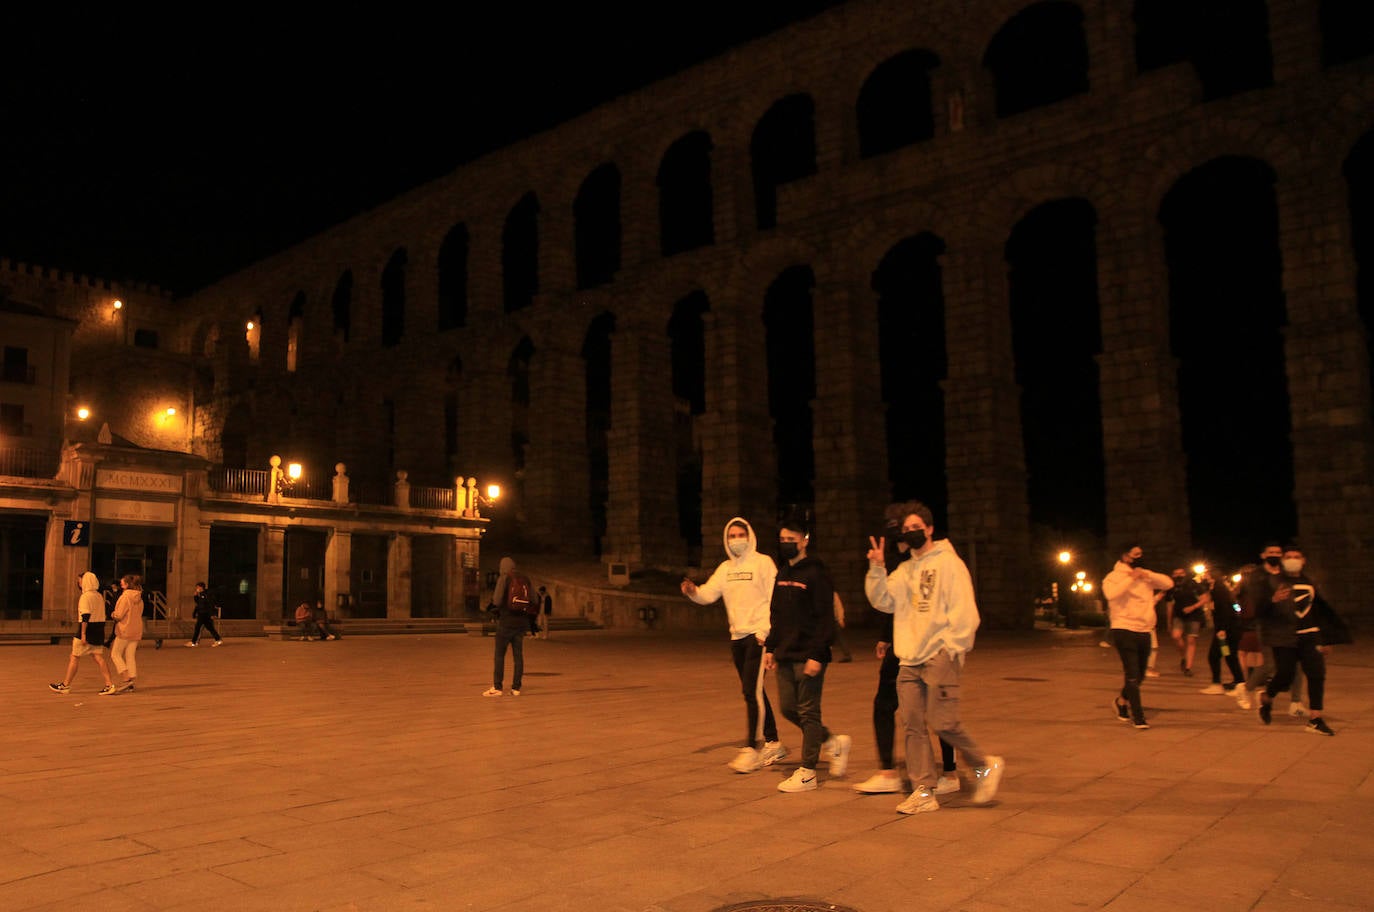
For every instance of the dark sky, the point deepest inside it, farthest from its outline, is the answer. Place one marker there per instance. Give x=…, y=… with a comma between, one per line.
x=175, y=151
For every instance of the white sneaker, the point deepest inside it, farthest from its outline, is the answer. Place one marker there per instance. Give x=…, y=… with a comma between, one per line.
x=946, y=785
x=803, y=780
x=986, y=780
x=881, y=783
x=1242, y=696
x=772, y=752
x=218, y=643
x=190, y=645
x=1297, y=709
x=746, y=761
x=1213, y=689
x=838, y=747
x=920, y=801
x=491, y=692
x=515, y=693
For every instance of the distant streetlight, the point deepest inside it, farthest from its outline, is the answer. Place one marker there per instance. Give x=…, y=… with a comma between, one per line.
x=293, y=471
x=171, y=411
x=1065, y=557
x=83, y=413
x=118, y=304
x=1199, y=569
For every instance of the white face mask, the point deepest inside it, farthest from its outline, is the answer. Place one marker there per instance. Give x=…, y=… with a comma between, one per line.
x=738, y=546
x=1292, y=565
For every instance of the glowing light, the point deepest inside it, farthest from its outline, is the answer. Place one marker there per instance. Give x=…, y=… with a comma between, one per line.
x=171, y=411
x=1087, y=587
x=493, y=491
x=293, y=471
x=1080, y=575
x=118, y=304
x=83, y=413
x=1065, y=557
x=1235, y=577
x=1199, y=569
x=250, y=325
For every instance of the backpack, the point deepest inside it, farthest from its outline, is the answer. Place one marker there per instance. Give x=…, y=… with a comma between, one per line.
x=518, y=595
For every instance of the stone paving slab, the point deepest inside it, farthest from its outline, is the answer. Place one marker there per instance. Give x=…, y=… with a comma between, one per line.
x=369, y=775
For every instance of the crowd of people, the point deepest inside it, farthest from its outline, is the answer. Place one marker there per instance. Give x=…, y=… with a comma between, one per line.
x=1271, y=628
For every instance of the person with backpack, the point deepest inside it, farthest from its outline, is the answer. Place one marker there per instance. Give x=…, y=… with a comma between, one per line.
x=514, y=603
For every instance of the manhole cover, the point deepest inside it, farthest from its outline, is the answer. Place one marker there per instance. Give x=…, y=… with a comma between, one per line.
x=785, y=905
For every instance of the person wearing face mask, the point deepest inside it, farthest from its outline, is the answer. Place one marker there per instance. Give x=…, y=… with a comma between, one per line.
x=744, y=581
x=1130, y=592
x=887, y=779
x=801, y=629
x=1292, y=630
x=935, y=617
x=1256, y=656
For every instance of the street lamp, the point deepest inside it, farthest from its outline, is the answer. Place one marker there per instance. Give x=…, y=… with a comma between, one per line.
x=1065, y=557
x=293, y=471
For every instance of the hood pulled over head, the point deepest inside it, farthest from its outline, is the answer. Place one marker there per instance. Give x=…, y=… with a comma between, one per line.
x=507, y=564
x=90, y=582
x=752, y=543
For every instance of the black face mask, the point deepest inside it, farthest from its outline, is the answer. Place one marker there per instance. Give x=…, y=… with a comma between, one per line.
x=787, y=550
x=1273, y=561
x=915, y=539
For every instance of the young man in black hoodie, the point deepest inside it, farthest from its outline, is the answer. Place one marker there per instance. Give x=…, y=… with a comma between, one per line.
x=802, y=627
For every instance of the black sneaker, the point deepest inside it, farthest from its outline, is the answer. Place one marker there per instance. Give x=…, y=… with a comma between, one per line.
x=1122, y=712
x=1141, y=723
x=1318, y=726
x=1266, y=712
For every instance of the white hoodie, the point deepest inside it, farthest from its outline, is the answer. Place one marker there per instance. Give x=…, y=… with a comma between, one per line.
x=1131, y=601
x=91, y=605
x=930, y=597
x=746, y=585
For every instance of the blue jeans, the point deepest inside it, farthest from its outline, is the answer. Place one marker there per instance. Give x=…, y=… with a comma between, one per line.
x=799, y=696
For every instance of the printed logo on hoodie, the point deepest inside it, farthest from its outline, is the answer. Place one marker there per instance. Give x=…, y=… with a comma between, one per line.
x=735, y=576
x=925, y=588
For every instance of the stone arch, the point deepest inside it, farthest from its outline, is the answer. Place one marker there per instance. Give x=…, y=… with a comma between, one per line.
x=520, y=254
x=1161, y=164
x=598, y=362
x=1038, y=57
x=393, y=286
x=686, y=206
x=782, y=149
x=895, y=107
x=453, y=269
x=1226, y=44
x=597, y=226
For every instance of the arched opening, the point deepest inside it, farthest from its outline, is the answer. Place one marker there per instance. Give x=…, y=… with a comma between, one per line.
x=342, y=306
x=1359, y=177
x=687, y=339
x=596, y=356
x=783, y=149
x=295, y=320
x=1056, y=337
x=596, y=227
x=453, y=278
x=1347, y=28
x=789, y=331
x=894, y=108
x=686, y=212
x=394, y=299
x=912, y=364
x=520, y=254
x=1039, y=57
x=233, y=439
x=518, y=373
x=1226, y=319
x=1226, y=43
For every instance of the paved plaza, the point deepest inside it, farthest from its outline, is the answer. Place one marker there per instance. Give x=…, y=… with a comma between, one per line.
x=368, y=774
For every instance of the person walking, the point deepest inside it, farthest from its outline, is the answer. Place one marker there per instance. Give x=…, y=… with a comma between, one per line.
x=801, y=628
x=204, y=612
x=541, y=622
x=511, y=602
x=744, y=582
x=89, y=639
x=887, y=780
x=935, y=617
x=1130, y=592
x=128, y=632
x=1225, y=637
x=1292, y=630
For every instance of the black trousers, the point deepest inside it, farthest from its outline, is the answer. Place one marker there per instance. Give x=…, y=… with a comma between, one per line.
x=205, y=622
x=748, y=655
x=1134, y=651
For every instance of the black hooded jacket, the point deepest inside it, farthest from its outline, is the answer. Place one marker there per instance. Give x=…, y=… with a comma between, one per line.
x=802, y=612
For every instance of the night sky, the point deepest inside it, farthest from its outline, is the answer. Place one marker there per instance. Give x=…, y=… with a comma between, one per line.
x=174, y=152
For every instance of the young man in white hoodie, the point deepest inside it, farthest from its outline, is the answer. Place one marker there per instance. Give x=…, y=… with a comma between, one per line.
x=744, y=580
x=89, y=638
x=930, y=596
x=1130, y=593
